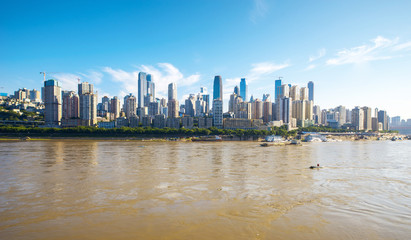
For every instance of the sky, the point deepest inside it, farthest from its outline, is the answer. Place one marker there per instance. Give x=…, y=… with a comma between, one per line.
x=357, y=53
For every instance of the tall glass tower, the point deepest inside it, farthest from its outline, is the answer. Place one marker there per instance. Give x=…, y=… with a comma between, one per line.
x=277, y=91
x=243, y=89
x=142, y=88
x=311, y=91
x=218, y=88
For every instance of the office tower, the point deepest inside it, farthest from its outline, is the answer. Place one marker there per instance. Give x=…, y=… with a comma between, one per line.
x=309, y=105
x=267, y=111
x=71, y=105
x=243, y=110
x=142, y=88
x=88, y=104
x=200, y=106
x=190, y=105
x=206, y=98
x=348, y=116
x=232, y=103
x=84, y=88
x=375, y=124
x=257, y=109
x=154, y=108
x=88, y=109
x=105, y=104
x=284, y=111
x=52, y=102
x=298, y=111
x=396, y=121
x=218, y=88
x=35, y=96
x=357, y=118
x=317, y=114
x=172, y=91
x=243, y=89
x=266, y=97
x=284, y=91
x=277, y=90
x=383, y=119
x=295, y=92
x=115, y=107
x=341, y=115
x=304, y=93
x=218, y=112
x=150, y=95
x=367, y=118
x=237, y=90
x=130, y=106
x=311, y=91
x=172, y=108
x=21, y=94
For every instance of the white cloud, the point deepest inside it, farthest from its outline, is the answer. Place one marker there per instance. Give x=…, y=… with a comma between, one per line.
x=404, y=46
x=259, y=10
x=68, y=81
x=162, y=75
x=320, y=54
x=311, y=66
x=264, y=69
x=93, y=76
x=380, y=49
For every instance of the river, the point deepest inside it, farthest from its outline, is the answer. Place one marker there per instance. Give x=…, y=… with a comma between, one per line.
x=86, y=189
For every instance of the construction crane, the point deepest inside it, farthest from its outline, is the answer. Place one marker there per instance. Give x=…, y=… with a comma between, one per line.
x=45, y=73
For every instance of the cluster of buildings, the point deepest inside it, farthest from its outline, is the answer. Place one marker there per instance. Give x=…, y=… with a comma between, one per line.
x=291, y=105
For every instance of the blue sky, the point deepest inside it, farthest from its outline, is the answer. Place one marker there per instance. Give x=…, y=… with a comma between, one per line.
x=358, y=53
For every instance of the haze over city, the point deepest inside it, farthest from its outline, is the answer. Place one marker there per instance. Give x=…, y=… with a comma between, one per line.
x=358, y=54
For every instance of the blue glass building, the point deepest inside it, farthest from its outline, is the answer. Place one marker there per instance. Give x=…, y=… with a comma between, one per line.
x=311, y=91
x=218, y=88
x=142, y=88
x=277, y=90
x=243, y=89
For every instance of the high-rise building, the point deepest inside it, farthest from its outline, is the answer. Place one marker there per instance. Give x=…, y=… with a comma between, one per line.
x=237, y=90
x=284, y=111
x=311, y=91
x=84, y=88
x=88, y=109
x=367, y=118
x=218, y=112
x=295, y=92
x=218, y=88
x=284, y=91
x=115, y=107
x=172, y=91
x=70, y=107
x=267, y=111
x=341, y=115
x=277, y=90
x=266, y=97
x=142, y=88
x=304, y=93
x=190, y=105
x=151, y=91
x=172, y=108
x=130, y=106
x=35, y=96
x=52, y=102
x=105, y=104
x=257, y=109
x=357, y=118
x=88, y=104
x=243, y=89
x=383, y=119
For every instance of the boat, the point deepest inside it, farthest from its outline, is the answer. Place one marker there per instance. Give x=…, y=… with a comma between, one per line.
x=295, y=142
x=318, y=166
x=264, y=145
x=207, y=139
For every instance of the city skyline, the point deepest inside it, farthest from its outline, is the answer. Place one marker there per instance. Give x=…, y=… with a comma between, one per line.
x=351, y=58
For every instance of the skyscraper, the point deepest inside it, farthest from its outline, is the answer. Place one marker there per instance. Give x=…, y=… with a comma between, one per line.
x=115, y=107
x=311, y=91
x=70, y=105
x=357, y=118
x=52, y=102
x=237, y=90
x=88, y=104
x=130, y=105
x=277, y=90
x=243, y=89
x=142, y=88
x=218, y=88
x=150, y=95
x=218, y=113
x=383, y=118
x=172, y=105
x=172, y=91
